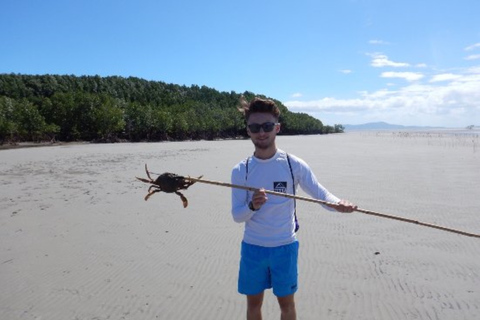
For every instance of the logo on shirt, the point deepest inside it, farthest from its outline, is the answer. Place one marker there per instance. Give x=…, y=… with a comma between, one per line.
x=280, y=186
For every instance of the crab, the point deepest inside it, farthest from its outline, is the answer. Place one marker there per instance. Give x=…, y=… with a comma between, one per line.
x=169, y=183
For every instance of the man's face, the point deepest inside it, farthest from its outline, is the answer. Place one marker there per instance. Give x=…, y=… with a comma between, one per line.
x=262, y=139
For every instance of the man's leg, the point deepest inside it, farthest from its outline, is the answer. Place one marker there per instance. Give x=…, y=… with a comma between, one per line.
x=287, y=307
x=254, y=306
x=285, y=278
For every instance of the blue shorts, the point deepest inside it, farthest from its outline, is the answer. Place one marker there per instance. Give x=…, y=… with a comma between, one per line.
x=264, y=268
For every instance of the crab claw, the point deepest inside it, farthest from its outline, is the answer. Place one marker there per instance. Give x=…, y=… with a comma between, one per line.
x=191, y=181
x=184, y=200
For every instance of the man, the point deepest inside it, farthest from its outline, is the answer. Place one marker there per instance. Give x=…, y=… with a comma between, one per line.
x=269, y=251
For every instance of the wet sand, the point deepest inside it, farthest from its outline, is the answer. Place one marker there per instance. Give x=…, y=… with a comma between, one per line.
x=77, y=240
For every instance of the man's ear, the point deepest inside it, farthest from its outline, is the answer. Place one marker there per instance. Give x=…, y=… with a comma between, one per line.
x=277, y=128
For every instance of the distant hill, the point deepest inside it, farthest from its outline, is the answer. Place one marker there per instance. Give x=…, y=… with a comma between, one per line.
x=382, y=126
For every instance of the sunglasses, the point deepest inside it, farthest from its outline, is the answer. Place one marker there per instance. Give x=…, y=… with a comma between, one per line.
x=266, y=126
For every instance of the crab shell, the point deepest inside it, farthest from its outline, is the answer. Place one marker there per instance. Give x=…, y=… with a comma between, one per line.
x=170, y=182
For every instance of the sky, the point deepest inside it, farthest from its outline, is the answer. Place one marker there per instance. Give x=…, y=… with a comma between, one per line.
x=342, y=61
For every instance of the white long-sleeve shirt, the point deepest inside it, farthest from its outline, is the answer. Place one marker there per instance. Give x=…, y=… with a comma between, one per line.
x=274, y=223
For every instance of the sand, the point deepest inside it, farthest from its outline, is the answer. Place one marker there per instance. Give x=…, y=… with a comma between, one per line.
x=77, y=240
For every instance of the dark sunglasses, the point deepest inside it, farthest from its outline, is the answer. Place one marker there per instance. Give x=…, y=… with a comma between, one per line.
x=267, y=127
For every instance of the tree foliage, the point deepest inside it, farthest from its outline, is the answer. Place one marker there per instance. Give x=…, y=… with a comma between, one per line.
x=94, y=108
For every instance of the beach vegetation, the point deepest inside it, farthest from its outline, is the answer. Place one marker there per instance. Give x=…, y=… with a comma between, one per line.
x=109, y=109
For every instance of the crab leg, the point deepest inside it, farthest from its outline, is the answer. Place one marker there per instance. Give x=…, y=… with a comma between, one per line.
x=151, y=192
x=148, y=173
x=144, y=180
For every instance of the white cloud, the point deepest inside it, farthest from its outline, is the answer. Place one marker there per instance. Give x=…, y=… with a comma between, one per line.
x=473, y=57
x=381, y=60
x=346, y=71
x=378, y=42
x=409, y=76
x=438, y=103
x=473, y=70
x=473, y=46
x=296, y=95
x=421, y=65
x=445, y=77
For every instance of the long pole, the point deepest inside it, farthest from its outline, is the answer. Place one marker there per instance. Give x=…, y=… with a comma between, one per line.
x=369, y=212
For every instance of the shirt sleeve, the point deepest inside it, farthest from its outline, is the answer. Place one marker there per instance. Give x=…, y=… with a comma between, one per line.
x=309, y=183
x=240, y=198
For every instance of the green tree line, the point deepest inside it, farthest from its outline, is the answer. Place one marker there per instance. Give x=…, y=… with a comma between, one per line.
x=94, y=108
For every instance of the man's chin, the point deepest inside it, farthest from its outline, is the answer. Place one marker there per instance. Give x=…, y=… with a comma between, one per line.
x=262, y=145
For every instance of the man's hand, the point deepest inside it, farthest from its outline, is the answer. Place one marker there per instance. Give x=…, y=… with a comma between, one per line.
x=345, y=206
x=259, y=198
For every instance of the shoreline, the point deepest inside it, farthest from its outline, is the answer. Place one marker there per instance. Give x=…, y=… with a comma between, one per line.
x=30, y=144
x=21, y=145
x=406, y=132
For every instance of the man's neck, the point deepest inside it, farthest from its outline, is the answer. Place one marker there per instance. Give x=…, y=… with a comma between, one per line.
x=265, y=154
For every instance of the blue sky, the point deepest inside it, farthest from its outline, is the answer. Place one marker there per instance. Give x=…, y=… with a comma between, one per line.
x=342, y=61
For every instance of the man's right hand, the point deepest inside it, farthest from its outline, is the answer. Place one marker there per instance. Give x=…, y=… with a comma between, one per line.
x=259, y=198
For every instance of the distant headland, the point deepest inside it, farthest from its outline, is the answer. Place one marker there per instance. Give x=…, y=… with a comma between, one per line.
x=387, y=126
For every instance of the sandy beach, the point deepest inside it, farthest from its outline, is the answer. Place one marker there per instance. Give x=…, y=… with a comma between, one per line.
x=78, y=242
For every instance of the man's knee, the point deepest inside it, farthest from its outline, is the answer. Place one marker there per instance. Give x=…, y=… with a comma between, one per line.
x=287, y=303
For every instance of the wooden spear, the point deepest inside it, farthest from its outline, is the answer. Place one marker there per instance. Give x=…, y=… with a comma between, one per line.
x=369, y=212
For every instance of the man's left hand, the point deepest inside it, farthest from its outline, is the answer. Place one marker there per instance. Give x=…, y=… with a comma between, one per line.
x=345, y=206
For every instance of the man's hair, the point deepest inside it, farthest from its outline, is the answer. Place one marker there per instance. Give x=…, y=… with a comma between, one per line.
x=258, y=105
